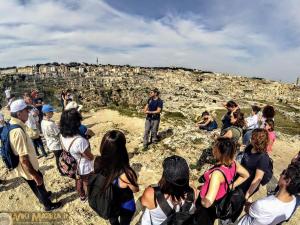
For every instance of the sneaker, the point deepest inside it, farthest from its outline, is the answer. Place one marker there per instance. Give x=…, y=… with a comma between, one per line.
x=53, y=206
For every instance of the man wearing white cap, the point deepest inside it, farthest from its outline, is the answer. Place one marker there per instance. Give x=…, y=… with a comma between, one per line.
x=28, y=166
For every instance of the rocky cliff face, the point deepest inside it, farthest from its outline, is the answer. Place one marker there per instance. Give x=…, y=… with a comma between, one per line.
x=185, y=92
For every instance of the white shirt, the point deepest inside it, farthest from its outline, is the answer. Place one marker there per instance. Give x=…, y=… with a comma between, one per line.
x=7, y=93
x=32, y=120
x=79, y=146
x=268, y=211
x=252, y=122
x=51, y=134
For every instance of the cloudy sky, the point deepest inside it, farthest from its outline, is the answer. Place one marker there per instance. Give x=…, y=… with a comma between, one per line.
x=252, y=38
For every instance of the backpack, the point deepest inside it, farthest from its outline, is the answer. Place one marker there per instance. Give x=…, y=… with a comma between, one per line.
x=67, y=163
x=173, y=217
x=231, y=205
x=9, y=158
x=104, y=203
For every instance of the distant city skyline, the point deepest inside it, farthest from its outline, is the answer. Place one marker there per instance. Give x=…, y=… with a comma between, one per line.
x=249, y=38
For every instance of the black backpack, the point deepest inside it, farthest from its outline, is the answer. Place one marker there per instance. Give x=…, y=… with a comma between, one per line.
x=10, y=160
x=231, y=205
x=174, y=218
x=104, y=203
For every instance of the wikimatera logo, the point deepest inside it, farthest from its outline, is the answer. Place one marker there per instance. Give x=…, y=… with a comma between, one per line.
x=5, y=219
x=32, y=217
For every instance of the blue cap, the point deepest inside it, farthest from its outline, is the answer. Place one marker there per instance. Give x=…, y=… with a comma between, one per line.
x=47, y=109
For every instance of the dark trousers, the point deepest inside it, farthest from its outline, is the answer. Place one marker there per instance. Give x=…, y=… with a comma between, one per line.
x=38, y=143
x=123, y=219
x=151, y=126
x=57, y=154
x=81, y=185
x=40, y=191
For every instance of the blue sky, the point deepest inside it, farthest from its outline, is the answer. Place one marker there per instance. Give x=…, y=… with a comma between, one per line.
x=251, y=38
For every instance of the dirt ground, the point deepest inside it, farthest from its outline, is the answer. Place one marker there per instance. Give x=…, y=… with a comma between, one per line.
x=15, y=195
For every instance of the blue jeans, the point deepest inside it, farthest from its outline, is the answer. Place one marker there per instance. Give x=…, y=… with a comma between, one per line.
x=210, y=127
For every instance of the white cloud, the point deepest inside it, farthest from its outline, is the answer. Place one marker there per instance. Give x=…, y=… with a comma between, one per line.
x=50, y=31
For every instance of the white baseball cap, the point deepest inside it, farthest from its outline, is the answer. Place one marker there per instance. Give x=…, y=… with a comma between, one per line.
x=18, y=105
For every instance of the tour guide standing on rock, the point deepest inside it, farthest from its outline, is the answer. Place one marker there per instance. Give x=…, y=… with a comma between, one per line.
x=28, y=166
x=152, y=109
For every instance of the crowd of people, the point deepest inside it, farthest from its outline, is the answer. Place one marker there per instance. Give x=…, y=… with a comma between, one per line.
x=241, y=154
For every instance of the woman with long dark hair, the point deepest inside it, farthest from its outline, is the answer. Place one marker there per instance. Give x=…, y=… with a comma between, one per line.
x=79, y=148
x=173, y=186
x=114, y=165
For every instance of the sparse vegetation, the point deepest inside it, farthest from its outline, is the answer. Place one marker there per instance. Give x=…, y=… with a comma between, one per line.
x=127, y=111
x=174, y=115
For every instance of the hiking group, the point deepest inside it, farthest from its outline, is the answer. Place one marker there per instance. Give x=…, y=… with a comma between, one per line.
x=241, y=155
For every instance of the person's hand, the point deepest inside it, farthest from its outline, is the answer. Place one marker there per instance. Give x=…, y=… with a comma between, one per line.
x=236, y=108
x=38, y=180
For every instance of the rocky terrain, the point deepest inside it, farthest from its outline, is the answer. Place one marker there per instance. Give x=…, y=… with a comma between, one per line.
x=114, y=101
